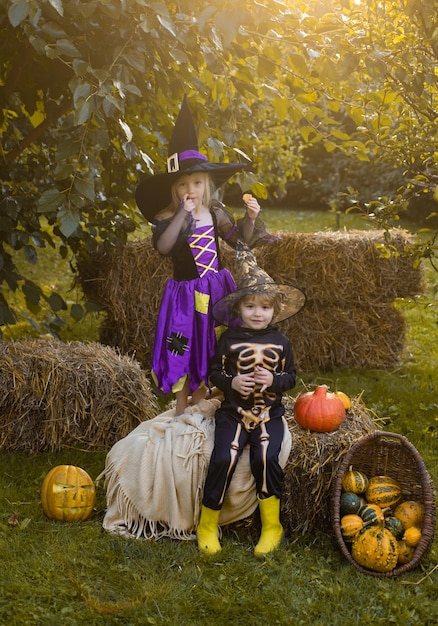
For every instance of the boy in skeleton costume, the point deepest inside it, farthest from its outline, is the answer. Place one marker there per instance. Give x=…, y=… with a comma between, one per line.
x=253, y=366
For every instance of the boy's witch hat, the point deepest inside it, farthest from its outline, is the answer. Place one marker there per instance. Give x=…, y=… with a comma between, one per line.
x=251, y=279
x=153, y=193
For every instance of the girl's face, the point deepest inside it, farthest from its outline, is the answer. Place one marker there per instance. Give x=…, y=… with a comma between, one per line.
x=255, y=312
x=192, y=186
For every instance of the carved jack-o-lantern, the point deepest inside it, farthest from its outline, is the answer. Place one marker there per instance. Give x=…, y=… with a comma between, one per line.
x=68, y=494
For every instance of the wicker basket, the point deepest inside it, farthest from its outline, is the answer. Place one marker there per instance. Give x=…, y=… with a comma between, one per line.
x=389, y=454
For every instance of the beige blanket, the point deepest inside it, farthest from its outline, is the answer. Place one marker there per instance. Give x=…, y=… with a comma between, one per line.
x=154, y=477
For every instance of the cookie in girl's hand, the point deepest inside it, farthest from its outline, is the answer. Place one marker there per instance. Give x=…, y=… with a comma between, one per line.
x=246, y=197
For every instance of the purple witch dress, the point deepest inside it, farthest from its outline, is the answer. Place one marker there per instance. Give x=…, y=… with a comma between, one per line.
x=186, y=332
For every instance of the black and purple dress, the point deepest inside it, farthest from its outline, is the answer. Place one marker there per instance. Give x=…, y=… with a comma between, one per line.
x=186, y=332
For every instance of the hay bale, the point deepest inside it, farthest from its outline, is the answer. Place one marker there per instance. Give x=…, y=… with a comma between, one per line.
x=334, y=337
x=355, y=268
x=351, y=280
x=56, y=394
x=312, y=467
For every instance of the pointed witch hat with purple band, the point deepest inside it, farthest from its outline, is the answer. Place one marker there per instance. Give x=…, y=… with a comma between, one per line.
x=251, y=279
x=154, y=192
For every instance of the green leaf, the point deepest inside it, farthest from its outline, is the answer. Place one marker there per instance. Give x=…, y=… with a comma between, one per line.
x=81, y=92
x=85, y=187
x=306, y=131
x=64, y=46
x=17, y=12
x=228, y=23
x=109, y=102
x=83, y=114
x=126, y=129
x=50, y=200
x=281, y=106
x=7, y=316
x=77, y=312
x=57, y=5
x=216, y=147
x=31, y=292
x=179, y=55
x=339, y=134
x=68, y=221
x=298, y=63
x=260, y=190
x=330, y=146
x=30, y=254
x=167, y=23
x=56, y=302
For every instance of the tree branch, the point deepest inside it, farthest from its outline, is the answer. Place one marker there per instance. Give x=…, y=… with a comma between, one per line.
x=37, y=132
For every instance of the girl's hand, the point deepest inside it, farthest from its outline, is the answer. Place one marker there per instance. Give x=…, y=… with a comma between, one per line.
x=252, y=208
x=263, y=377
x=188, y=204
x=243, y=384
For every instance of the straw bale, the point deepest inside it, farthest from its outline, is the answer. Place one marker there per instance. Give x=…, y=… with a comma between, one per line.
x=355, y=268
x=349, y=319
x=312, y=467
x=56, y=394
x=335, y=337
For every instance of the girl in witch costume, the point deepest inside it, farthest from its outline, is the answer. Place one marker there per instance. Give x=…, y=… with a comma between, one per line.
x=187, y=223
x=253, y=366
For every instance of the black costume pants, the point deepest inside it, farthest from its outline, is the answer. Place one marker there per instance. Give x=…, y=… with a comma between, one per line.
x=229, y=440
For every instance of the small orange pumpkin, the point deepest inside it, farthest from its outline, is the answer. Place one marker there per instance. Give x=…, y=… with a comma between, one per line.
x=412, y=536
x=344, y=399
x=68, y=494
x=319, y=411
x=355, y=481
x=405, y=552
x=351, y=525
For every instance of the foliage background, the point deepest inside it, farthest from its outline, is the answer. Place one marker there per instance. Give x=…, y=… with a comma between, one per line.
x=333, y=103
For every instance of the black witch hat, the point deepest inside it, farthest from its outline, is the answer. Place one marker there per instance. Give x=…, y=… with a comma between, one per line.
x=154, y=192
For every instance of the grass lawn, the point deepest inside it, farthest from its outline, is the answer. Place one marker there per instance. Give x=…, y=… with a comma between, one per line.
x=75, y=574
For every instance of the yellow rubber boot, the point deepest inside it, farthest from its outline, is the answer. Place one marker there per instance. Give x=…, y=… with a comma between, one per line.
x=272, y=530
x=207, y=531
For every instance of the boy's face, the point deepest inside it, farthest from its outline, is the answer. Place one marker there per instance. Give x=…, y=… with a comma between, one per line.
x=255, y=312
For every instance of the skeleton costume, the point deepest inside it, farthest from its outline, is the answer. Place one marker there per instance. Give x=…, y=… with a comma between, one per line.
x=186, y=331
x=255, y=419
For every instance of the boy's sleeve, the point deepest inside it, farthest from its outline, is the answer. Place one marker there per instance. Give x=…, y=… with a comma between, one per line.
x=286, y=379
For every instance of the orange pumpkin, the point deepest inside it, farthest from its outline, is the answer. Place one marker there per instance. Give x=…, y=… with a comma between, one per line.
x=405, y=552
x=319, y=411
x=376, y=548
x=68, y=494
x=411, y=513
x=412, y=536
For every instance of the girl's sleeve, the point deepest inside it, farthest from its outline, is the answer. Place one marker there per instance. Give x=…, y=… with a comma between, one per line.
x=218, y=376
x=159, y=230
x=231, y=231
